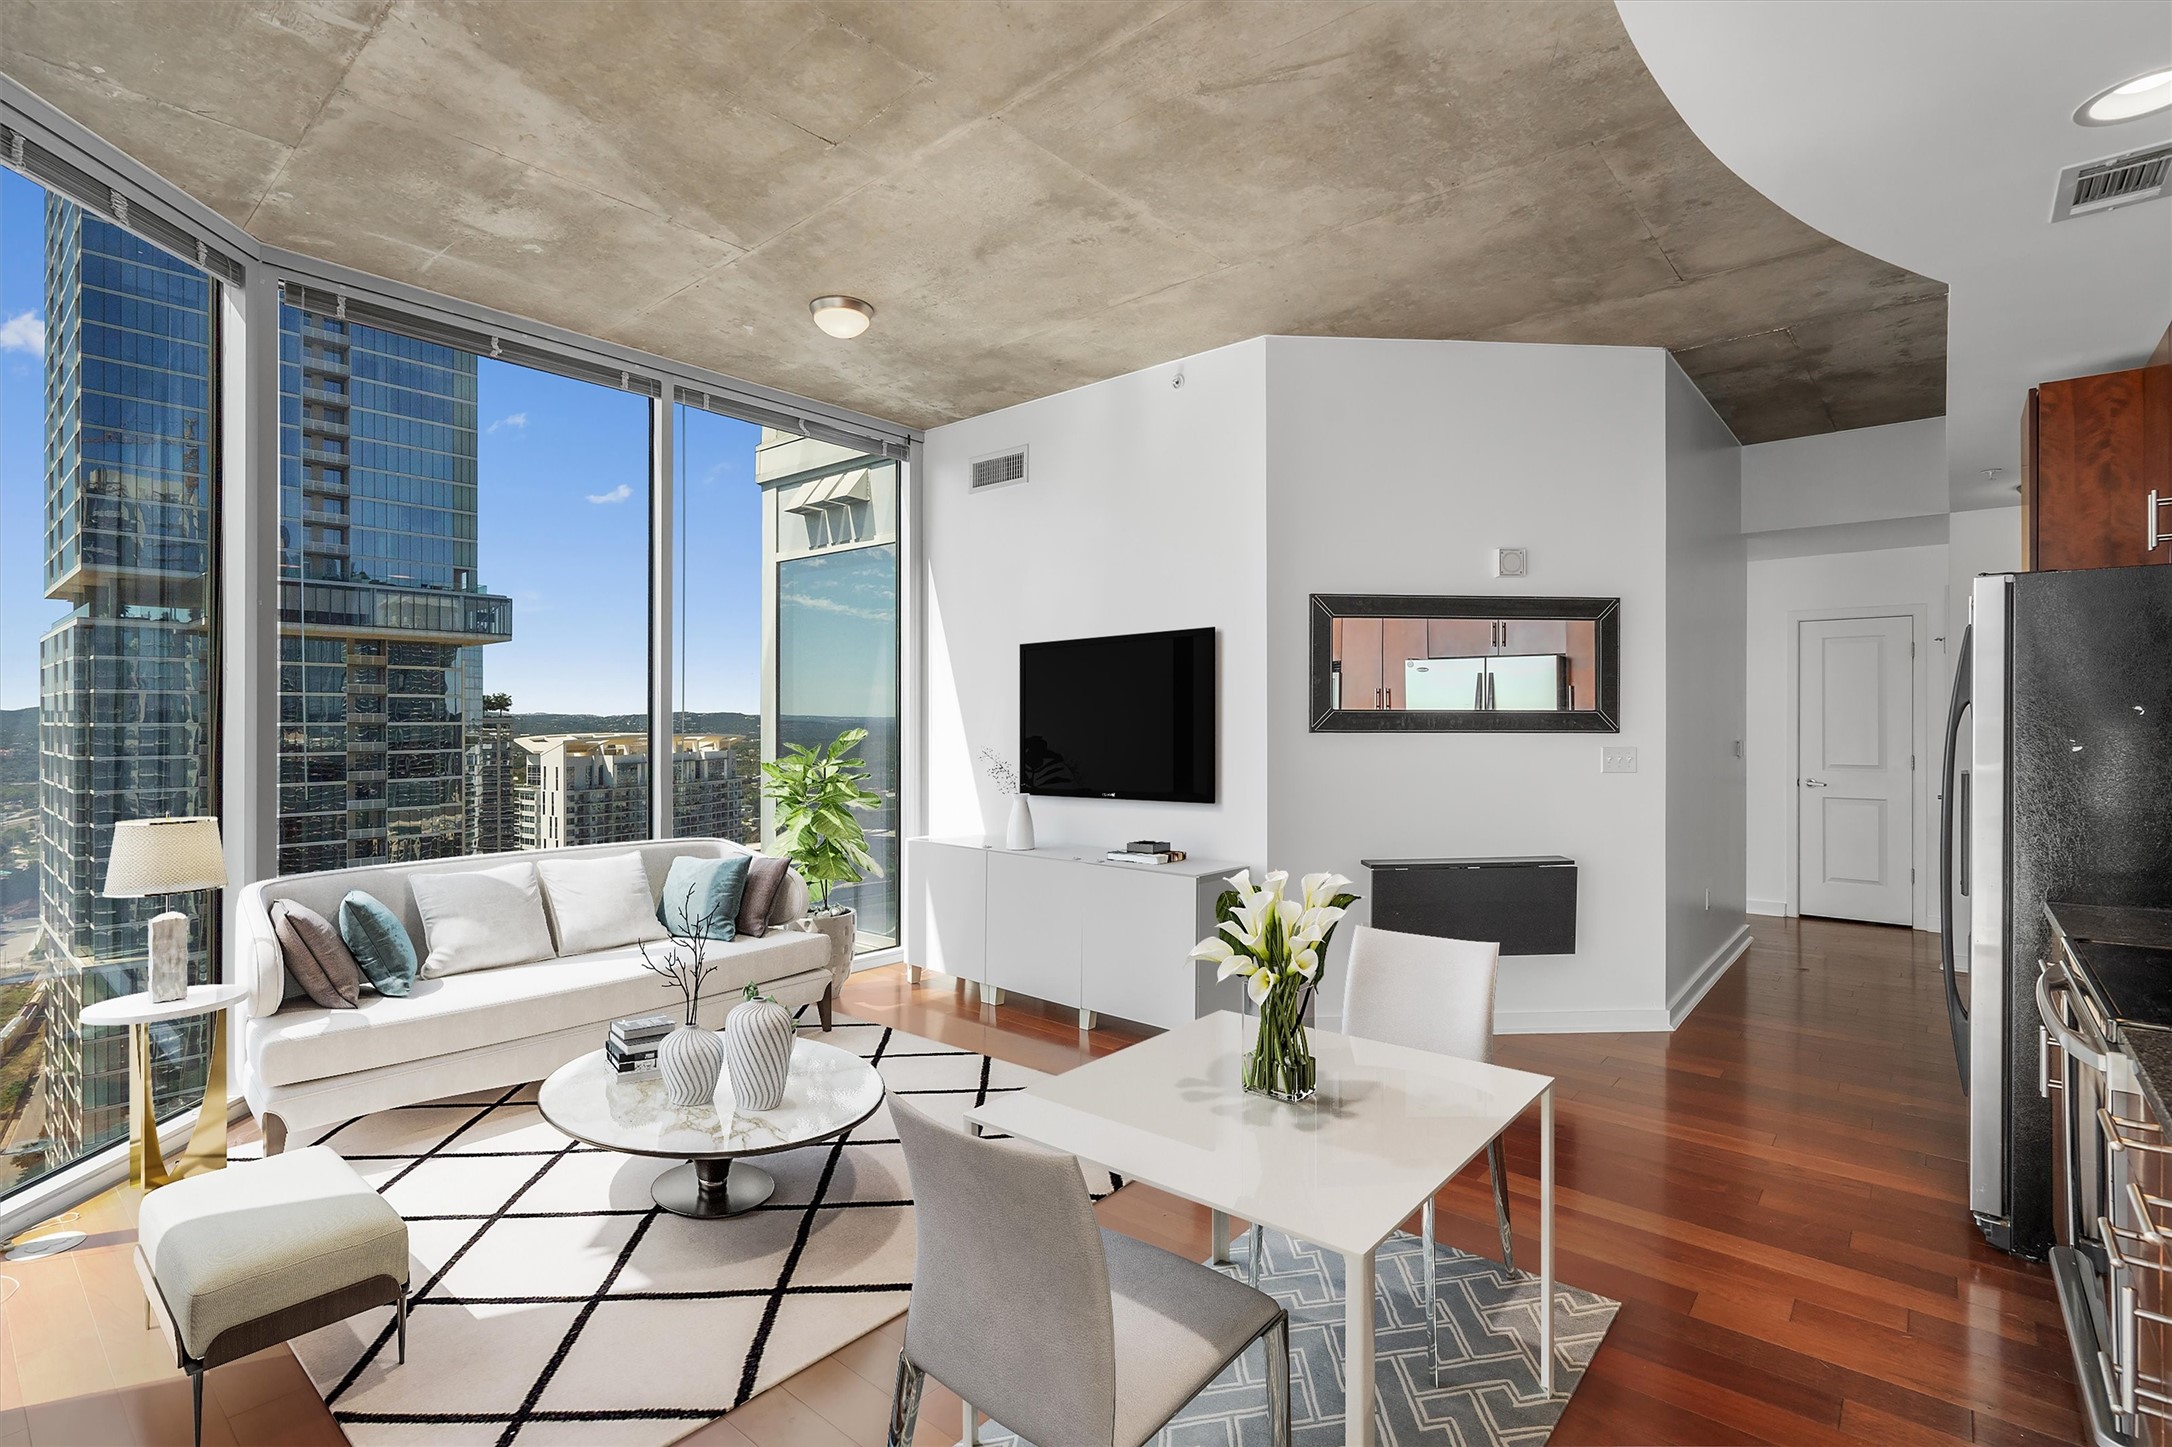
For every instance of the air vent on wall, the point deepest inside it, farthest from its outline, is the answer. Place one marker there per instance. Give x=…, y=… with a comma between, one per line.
x=2113, y=182
x=998, y=468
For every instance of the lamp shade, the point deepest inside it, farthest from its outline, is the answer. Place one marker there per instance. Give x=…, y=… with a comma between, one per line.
x=164, y=856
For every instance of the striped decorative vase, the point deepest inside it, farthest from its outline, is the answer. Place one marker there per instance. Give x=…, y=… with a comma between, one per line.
x=758, y=1038
x=689, y=1059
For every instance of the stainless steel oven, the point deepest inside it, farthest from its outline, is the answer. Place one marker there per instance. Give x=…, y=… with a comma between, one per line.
x=2111, y=1174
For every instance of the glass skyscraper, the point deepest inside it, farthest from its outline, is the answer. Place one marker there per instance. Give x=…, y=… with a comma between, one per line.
x=126, y=688
x=382, y=619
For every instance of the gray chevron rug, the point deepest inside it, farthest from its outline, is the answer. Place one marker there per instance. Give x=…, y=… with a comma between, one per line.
x=1489, y=1391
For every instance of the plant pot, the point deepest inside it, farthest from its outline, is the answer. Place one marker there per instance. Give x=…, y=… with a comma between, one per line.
x=842, y=930
x=758, y=1039
x=1019, y=833
x=689, y=1060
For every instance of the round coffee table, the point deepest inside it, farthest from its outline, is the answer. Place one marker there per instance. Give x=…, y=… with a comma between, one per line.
x=830, y=1092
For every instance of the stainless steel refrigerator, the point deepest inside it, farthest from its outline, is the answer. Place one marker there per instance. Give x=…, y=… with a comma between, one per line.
x=2058, y=785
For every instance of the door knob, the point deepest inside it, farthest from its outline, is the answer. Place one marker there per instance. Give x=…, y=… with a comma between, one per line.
x=1813, y=783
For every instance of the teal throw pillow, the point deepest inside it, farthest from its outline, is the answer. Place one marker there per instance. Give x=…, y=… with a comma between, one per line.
x=378, y=942
x=703, y=895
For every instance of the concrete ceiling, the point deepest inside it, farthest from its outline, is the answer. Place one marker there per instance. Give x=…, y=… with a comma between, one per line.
x=1033, y=196
x=1932, y=134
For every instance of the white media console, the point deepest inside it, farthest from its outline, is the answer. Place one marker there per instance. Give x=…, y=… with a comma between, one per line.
x=1066, y=926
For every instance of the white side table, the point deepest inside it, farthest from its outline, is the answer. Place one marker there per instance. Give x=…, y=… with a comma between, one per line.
x=206, y=1150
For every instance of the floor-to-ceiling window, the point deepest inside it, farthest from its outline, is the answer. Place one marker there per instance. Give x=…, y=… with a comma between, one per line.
x=463, y=601
x=108, y=648
x=717, y=632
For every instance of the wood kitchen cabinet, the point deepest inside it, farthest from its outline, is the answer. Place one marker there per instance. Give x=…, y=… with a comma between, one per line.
x=2095, y=452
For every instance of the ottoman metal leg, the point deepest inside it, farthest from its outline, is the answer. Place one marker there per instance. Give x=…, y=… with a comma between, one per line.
x=402, y=1308
x=196, y=1390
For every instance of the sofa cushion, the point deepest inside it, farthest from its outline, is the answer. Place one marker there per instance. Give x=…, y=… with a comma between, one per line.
x=599, y=904
x=316, y=956
x=767, y=878
x=481, y=919
x=703, y=895
x=378, y=942
x=487, y=1007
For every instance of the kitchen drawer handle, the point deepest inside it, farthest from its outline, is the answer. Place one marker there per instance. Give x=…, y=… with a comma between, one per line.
x=2109, y=1126
x=2055, y=1020
x=2143, y=1224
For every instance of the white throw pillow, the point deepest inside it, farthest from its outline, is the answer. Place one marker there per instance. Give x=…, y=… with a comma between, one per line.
x=482, y=919
x=599, y=904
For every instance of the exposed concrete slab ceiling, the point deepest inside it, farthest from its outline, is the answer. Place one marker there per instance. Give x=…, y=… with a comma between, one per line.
x=1034, y=196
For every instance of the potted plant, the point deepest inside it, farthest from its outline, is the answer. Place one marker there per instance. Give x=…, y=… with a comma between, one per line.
x=817, y=793
x=1277, y=945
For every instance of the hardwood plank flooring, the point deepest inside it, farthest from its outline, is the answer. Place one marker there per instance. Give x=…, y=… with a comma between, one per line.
x=1774, y=1192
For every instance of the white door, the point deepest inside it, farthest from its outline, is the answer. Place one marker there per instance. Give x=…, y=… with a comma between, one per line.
x=1854, y=780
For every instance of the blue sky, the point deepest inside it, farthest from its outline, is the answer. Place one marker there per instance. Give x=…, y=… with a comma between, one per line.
x=564, y=525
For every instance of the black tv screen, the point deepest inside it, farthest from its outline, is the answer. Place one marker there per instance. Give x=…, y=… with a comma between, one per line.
x=1130, y=717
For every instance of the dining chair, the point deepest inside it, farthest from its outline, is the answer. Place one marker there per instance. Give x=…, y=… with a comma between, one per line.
x=1069, y=1335
x=1427, y=994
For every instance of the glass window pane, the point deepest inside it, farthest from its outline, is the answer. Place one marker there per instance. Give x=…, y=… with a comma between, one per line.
x=463, y=602
x=717, y=726
x=107, y=523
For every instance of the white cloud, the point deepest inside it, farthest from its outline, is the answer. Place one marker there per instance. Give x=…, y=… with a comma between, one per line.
x=23, y=332
x=515, y=421
x=616, y=494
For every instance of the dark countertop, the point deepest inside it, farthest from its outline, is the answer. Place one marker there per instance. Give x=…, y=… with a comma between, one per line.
x=2124, y=960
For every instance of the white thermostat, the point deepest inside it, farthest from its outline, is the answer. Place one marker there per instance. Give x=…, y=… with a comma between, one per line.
x=1511, y=562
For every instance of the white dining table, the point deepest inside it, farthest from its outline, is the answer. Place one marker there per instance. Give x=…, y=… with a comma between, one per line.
x=1343, y=1170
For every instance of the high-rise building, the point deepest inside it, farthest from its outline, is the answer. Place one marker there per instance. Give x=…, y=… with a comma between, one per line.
x=124, y=677
x=494, y=772
x=382, y=619
x=594, y=789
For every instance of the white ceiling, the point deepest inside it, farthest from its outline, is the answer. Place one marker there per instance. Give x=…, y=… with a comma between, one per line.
x=1929, y=135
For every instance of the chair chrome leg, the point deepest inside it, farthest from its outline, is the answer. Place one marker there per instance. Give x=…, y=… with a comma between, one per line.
x=1497, y=1167
x=1258, y=1239
x=1432, y=1290
x=1278, y=1382
x=905, y=1402
x=401, y=1308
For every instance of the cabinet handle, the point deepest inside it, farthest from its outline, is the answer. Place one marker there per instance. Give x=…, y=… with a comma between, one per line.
x=2116, y=1140
x=2156, y=538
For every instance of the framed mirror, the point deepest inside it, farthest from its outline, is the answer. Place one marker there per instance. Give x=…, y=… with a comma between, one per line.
x=1390, y=663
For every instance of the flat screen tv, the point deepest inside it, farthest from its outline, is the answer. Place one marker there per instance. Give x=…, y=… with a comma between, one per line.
x=1130, y=717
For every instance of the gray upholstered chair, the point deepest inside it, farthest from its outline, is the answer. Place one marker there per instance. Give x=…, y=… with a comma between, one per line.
x=1428, y=994
x=1068, y=1335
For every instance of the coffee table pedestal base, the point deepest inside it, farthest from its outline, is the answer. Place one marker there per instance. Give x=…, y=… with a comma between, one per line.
x=707, y=1190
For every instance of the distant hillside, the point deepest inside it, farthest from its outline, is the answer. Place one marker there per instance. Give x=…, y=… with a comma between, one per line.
x=19, y=727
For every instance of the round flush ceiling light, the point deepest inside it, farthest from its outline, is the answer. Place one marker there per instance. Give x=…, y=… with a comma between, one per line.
x=841, y=316
x=2141, y=96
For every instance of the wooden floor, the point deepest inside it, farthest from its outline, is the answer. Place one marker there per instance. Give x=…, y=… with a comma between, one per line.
x=1773, y=1192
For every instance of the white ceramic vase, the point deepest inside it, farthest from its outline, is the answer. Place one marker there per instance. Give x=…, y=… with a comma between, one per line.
x=690, y=1059
x=758, y=1037
x=1019, y=835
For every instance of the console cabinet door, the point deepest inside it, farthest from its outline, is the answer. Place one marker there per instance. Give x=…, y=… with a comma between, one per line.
x=1036, y=909
x=947, y=924
x=1140, y=926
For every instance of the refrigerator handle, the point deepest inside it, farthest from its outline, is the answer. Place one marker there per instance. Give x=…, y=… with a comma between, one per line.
x=1948, y=816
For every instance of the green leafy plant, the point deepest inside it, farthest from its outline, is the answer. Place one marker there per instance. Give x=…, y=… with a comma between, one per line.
x=817, y=792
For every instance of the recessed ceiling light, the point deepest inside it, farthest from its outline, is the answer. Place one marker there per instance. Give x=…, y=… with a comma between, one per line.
x=841, y=316
x=2141, y=96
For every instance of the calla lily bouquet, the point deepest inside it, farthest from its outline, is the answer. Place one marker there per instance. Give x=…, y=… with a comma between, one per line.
x=1276, y=943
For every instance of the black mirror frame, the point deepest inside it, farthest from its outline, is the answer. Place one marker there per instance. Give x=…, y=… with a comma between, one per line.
x=1326, y=607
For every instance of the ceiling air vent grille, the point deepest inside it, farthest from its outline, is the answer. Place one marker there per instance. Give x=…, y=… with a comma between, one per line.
x=2116, y=181
x=999, y=468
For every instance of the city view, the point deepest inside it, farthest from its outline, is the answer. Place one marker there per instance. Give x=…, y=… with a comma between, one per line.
x=463, y=562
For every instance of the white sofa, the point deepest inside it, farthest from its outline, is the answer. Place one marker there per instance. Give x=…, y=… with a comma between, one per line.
x=305, y=1067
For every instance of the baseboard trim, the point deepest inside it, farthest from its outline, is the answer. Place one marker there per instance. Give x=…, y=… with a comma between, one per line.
x=1708, y=974
x=1578, y=1022
x=1766, y=906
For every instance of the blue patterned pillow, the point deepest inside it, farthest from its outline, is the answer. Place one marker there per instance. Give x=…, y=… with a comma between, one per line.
x=379, y=943
x=704, y=894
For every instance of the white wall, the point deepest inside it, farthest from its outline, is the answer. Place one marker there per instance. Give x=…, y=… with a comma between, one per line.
x=1143, y=511
x=1984, y=541
x=1395, y=466
x=1845, y=477
x=1891, y=580
x=1706, y=642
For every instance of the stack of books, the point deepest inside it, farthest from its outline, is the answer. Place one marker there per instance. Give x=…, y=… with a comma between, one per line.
x=1144, y=851
x=631, y=1044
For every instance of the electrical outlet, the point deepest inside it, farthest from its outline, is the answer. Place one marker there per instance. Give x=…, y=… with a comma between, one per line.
x=1617, y=759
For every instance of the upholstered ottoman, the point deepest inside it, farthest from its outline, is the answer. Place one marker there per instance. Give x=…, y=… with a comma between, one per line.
x=244, y=1258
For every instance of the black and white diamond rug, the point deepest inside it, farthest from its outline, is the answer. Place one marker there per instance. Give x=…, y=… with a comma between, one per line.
x=1489, y=1384
x=554, y=1302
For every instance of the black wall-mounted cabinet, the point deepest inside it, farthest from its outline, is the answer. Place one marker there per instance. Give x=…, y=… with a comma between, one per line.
x=1526, y=902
